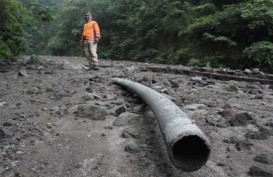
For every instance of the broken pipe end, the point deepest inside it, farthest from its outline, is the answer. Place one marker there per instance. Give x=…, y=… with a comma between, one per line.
x=190, y=152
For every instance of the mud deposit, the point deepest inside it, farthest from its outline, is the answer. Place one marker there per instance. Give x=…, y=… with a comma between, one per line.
x=60, y=120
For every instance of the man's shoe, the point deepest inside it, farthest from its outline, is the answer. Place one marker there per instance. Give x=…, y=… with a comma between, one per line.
x=96, y=68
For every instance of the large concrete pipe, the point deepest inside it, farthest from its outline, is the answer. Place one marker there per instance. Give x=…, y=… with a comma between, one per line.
x=187, y=146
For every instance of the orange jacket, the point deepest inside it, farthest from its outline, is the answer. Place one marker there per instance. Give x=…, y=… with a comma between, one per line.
x=91, y=31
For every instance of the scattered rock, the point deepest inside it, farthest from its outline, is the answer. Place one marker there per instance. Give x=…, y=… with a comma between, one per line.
x=117, y=110
x=56, y=110
x=5, y=133
x=231, y=140
x=92, y=112
x=194, y=106
x=132, y=148
x=216, y=122
x=196, y=78
x=243, y=145
x=255, y=71
x=3, y=104
x=128, y=134
x=257, y=135
x=228, y=113
x=232, y=88
x=110, y=96
x=241, y=119
x=252, y=128
x=88, y=97
x=49, y=125
x=267, y=114
x=131, y=68
x=256, y=171
x=23, y=73
x=126, y=118
x=174, y=83
x=139, y=108
x=96, y=96
x=247, y=71
x=7, y=124
x=60, y=94
x=264, y=158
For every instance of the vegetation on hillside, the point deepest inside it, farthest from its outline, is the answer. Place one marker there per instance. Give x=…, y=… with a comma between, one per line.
x=213, y=33
x=20, y=27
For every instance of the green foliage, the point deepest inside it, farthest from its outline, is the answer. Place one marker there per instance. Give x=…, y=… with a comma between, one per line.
x=20, y=22
x=195, y=62
x=220, y=22
x=205, y=9
x=259, y=15
x=12, y=40
x=38, y=11
x=207, y=61
x=4, y=50
x=34, y=59
x=179, y=56
x=175, y=18
x=209, y=33
x=219, y=40
x=260, y=54
x=36, y=22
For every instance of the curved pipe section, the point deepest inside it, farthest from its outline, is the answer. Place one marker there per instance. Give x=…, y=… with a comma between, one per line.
x=187, y=146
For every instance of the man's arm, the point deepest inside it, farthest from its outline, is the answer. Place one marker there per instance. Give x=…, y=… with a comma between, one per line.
x=97, y=32
x=81, y=41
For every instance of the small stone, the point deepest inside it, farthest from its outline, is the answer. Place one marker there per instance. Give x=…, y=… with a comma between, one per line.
x=117, y=110
x=194, y=106
x=5, y=133
x=255, y=71
x=232, y=88
x=241, y=119
x=263, y=158
x=23, y=73
x=257, y=135
x=3, y=104
x=252, y=128
x=228, y=113
x=196, y=78
x=92, y=112
x=247, y=71
x=128, y=134
x=132, y=148
x=7, y=124
x=256, y=171
x=17, y=174
x=49, y=125
x=241, y=145
x=44, y=109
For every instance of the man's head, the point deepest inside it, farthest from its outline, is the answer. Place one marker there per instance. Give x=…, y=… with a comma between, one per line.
x=88, y=16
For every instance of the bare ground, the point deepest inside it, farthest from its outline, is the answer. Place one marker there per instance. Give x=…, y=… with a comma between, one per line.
x=47, y=127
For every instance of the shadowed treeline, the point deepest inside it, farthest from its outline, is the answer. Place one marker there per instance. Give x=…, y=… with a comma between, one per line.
x=235, y=34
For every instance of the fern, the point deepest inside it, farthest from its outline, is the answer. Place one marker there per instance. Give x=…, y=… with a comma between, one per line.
x=219, y=39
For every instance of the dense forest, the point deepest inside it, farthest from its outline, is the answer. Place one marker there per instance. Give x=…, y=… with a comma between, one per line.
x=228, y=33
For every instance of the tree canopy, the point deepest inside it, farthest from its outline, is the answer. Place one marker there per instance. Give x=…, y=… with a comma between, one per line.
x=19, y=26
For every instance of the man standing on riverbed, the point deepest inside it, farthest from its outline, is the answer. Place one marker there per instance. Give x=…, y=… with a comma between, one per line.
x=90, y=38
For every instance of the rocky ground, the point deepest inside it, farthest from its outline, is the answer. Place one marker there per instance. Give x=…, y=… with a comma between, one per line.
x=59, y=119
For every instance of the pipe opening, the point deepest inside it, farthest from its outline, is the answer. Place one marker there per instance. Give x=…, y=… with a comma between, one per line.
x=190, y=153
